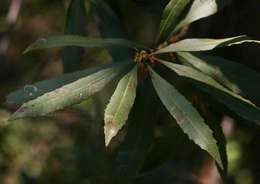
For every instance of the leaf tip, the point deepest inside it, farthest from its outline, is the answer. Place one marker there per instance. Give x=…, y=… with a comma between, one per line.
x=110, y=131
x=18, y=114
x=26, y=50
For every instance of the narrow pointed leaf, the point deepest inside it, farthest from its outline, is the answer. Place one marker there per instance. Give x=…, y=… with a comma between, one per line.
x=76, y=20
x=131, y=154
x=212, y=70
x=201, y=9
x=232, y=75
x=120, y=105
x=204, y=44
x=32, y=91
x=191, y=73
x=236, y=103
x=170, y=17
x=186, y=116
x=69, y=94
x=80, y=41
x=214, y=124
x=110, y=27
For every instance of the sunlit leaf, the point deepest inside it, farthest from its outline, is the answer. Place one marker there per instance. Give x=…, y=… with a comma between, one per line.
x=132, y=152
x=69, y=94
x=80, y=41
x=76, y=20
x=201, y=9
x=236, y=103
x=204, y=44
x=120, y=105
x=186, y=116
x=32, y=91
x=170, y=17
x=232, y=75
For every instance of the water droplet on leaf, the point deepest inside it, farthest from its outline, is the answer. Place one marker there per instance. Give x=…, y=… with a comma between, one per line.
x=31, y=90
x=42, y=40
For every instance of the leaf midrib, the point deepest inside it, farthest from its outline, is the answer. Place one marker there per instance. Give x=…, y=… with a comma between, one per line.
x=124, y=94
x=168, y=17
x=52, y=101
x=187, y=117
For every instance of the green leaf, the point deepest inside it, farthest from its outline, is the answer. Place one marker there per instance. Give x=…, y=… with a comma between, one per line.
x=236, y=103
x=186, y=116
x=131, y=154
x=204, y=44
x=191, y=73
x=169, y=17
x=76, y=18
x=215, y=124
x=241, y=108
x=69, y=94
x=237, y=77
x=110, y=27
x=212, y=70
x=80, y=41
x=201, y=9
x=75, y=24
x=120, y=105
x=32, y=91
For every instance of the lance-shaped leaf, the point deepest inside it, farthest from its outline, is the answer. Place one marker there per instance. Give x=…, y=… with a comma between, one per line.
x=186, y=116
x=120, y=105
x=81, y=41
x=236, y=103
x=191, y=73
x=214, y=124
x=69, y=94
x=32, y=91
x=204, y=44
x=232, y=75
x=132, y=152
x=76, y=20
x=241, y=108
x=110, y=27
x=201, y=9
x=213, y=71
x=170, y=17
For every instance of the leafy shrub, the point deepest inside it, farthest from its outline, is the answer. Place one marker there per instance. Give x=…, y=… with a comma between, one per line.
x=140, y=85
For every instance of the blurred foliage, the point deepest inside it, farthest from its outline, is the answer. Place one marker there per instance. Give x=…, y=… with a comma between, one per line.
x=68, y=147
